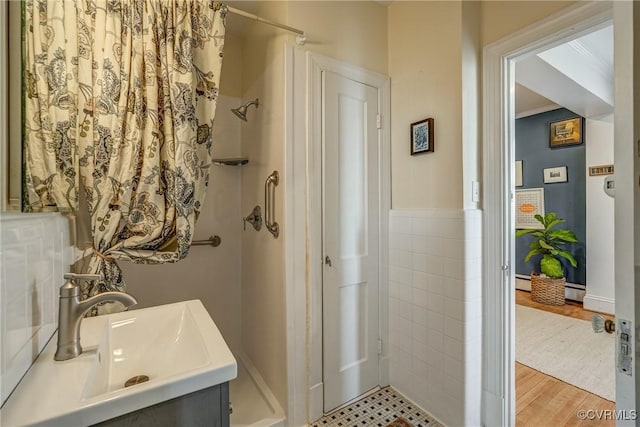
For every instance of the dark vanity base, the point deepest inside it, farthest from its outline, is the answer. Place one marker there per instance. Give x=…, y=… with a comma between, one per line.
x=208, y=407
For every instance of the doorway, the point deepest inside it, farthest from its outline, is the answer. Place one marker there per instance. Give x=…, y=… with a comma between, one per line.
x=306, y=201
x=557, y=353
x=499, y=289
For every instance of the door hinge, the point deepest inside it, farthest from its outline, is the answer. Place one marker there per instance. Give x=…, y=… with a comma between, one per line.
x=379, y=346
x=379, y=121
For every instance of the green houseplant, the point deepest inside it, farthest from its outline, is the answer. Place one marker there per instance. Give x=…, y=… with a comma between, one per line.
x=550, y=242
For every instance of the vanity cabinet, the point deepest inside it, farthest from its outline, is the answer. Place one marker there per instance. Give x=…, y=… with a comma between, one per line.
x=208, y=407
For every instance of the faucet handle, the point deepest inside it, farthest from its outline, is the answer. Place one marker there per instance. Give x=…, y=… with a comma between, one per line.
x=70, y=288
x=74, y=276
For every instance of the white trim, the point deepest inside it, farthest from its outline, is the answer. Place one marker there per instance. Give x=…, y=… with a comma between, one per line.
x=498, y=176
x=539, y=110
x=4, y=112
x=315, y=65
x=599, y=304
x=295, y=239
x=627, y=200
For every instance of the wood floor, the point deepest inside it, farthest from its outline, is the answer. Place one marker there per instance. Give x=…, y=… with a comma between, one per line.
x=542, y=400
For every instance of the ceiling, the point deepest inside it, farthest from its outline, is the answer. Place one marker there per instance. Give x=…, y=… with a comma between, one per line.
x=577, y=75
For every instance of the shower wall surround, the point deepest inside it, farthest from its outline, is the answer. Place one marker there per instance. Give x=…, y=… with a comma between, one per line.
x=435, y=315
x=210, y=274
x=34, y=255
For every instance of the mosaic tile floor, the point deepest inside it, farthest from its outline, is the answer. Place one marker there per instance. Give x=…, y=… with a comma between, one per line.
x=377, y=410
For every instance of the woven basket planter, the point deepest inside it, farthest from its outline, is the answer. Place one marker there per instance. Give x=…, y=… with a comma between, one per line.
x=546, y=290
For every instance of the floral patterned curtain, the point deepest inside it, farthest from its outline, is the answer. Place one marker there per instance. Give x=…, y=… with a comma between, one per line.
x=120, y=101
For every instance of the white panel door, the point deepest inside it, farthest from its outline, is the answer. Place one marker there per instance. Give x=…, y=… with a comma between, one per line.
x=350, y=238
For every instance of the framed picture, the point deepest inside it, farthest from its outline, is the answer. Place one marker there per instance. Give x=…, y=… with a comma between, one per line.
x=519, y=173
x=565, y=132
x=555, y=175
x=422, y=136
x=601, y=170
x=529, y=203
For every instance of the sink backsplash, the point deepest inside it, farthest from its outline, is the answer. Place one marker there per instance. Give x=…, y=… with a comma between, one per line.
x=34, y=255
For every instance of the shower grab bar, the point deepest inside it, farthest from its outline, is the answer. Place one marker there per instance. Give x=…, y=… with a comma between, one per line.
x=269, y=203
x=211, y=241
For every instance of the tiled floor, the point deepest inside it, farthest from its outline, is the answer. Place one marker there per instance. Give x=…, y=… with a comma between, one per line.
x=377, y=410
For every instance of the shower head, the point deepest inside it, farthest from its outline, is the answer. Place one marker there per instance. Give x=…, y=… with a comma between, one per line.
x=242, y=110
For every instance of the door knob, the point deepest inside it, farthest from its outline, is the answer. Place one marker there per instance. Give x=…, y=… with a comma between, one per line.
x=327, y=260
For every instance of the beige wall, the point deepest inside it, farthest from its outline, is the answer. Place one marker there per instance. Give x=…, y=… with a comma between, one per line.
x=351, y=31
x=501, y=18
x=231, y=76
x=471, y=100
x=425, y=63
x=435, y=67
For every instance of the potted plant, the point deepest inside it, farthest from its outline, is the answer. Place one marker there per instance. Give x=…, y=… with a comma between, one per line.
x=548, y=286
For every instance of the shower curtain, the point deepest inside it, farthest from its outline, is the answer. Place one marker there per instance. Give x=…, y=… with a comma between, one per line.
x=120, y=97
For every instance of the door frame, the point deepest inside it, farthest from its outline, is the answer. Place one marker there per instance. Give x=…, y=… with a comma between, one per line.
x=303, y=110
x=498, y=201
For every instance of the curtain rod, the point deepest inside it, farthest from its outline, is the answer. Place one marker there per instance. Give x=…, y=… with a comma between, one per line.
x=301, y=38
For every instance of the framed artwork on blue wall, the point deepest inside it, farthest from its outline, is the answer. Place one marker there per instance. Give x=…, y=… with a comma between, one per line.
x=565, y=132
x=422, y=137
x=555, y=175
x=519, y=182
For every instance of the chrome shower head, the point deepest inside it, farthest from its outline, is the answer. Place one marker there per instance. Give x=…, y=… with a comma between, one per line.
x=242, y=110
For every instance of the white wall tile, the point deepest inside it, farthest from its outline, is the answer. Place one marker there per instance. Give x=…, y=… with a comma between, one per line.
x=400, y=258
x=400, y=225
x=420, y=262
x=419, y=297
x=420, y=226
x=435, y=284
x=454, y=348
x=435, y=303
x=403, y=276
x=400, y=241
x=420, y=244
x=435, y=340
x=420, y=280
x=437, y=361
x=34, y=255
x=454, y=328
x=420, y=316
x=435, y=320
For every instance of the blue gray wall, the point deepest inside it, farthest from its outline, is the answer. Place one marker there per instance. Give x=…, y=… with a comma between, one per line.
x=566, y=199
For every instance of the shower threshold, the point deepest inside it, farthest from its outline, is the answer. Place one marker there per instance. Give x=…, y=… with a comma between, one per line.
x=253, y=403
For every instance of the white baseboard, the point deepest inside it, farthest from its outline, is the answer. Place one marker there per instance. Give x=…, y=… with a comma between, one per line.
x=316, y=401
x=572, y=291
x=384, y=371
x=600, y=304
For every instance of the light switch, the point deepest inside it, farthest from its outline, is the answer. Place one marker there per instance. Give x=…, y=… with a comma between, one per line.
x=475, y=191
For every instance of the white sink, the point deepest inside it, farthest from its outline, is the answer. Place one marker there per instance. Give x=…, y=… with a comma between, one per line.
x=177, y=346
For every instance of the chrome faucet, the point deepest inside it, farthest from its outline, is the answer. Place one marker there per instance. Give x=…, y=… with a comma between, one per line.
x=71, y=311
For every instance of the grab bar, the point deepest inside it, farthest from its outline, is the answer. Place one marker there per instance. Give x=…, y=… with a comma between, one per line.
x=269, y=203
x=211, y=241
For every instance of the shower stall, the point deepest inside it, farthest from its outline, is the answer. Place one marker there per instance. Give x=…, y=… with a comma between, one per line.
x=241, y=281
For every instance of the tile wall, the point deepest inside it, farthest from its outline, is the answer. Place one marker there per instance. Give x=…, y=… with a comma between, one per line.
x=34, y=255
x=435, y=311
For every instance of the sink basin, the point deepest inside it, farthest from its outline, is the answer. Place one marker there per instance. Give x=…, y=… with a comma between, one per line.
x=157, y=344
x=174, y=349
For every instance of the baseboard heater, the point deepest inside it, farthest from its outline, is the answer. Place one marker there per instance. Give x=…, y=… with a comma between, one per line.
x=572, y=291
